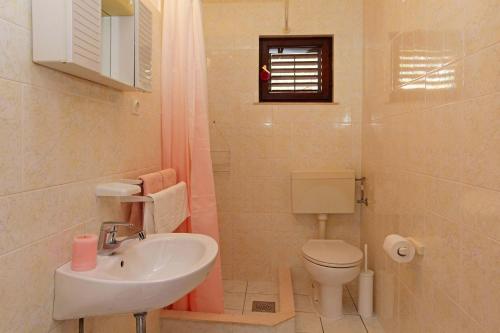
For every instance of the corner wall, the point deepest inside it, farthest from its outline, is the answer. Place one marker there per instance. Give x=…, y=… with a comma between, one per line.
x=430, y=154
x=59, y=137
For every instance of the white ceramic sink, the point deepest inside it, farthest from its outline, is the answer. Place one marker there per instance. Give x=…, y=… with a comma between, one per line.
x=140, y=276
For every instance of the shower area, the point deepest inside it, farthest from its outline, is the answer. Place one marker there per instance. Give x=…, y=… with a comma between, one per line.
x=255, y=146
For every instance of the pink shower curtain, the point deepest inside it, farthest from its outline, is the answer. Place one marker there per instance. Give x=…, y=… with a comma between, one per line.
x=185, y=138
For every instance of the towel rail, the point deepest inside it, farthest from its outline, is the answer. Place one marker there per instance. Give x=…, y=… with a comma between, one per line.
x=136, y=198
x=130, y=181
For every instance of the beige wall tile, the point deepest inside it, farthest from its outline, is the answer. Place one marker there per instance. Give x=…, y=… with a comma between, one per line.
x=27, y=278
x=386, y=299
x=18, y=12
x=10, y=137
x=30, y=216
x=445, y=141
x=482, y=156
x=41, y=138
x=481, y=212
x=479, y=279
x=442, y=260
x=481, y=24
x=444, y=198
x=15, y=52
x=481, y=72
x=417, y=143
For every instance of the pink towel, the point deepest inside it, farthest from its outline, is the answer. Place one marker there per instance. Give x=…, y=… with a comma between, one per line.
x=169, y=178
x=151, y=183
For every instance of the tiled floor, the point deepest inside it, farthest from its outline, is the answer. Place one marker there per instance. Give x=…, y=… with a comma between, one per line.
x=308, y=321
x=238, y=297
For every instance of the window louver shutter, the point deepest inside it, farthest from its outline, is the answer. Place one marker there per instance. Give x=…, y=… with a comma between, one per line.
x=295, y=70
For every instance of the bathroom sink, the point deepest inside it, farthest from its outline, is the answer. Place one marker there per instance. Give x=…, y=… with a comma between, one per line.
x=140, y=276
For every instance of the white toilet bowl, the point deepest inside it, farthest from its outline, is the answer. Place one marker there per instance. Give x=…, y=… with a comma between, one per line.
x=331, y=264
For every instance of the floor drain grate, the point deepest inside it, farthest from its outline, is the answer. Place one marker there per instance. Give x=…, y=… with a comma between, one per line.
x=261, y=306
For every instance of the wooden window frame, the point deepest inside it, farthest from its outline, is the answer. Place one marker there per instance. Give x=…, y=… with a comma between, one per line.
x=323, y=42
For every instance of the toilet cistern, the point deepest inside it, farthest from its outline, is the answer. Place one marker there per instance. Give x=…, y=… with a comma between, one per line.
x=322, y=193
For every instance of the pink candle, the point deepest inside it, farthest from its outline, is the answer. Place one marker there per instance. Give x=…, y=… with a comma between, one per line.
x=84, y=253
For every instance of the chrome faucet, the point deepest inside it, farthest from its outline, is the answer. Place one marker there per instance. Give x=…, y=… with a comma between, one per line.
x=108, y=242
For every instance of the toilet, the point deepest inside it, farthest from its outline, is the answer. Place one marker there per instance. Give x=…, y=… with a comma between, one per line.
x=331, y=263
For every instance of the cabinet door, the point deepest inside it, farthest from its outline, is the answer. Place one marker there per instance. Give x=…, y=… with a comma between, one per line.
x=143, y=52
x=86, y=37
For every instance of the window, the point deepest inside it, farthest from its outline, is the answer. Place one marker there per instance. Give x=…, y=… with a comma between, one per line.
x=299, y=69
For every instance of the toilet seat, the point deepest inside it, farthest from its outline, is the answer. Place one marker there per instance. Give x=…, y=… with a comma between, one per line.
x=332, y=253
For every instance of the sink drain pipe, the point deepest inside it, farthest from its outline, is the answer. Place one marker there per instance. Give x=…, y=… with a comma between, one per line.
x=140, y=322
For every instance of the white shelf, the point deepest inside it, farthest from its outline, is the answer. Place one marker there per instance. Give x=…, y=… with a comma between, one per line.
x=116, y=190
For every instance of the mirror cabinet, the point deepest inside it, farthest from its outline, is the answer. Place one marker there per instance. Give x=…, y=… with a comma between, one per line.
x=105, y=41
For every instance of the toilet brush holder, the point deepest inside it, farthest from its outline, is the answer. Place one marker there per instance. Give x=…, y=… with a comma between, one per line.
x=365, y=294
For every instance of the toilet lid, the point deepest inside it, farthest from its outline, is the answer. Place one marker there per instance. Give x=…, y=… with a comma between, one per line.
x=333, y=253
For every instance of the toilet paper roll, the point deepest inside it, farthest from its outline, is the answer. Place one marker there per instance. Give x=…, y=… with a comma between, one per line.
x=399, y=248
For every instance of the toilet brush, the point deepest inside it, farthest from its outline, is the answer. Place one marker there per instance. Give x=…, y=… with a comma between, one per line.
x=365, y=293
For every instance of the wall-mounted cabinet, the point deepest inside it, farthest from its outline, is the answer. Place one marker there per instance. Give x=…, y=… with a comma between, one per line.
x=105, y=41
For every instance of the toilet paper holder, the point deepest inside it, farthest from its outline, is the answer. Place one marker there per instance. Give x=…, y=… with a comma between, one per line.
x=419, y=247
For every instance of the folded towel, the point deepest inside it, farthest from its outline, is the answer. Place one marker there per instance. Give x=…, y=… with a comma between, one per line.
x=152, y=183
x=168, y=209
x=169, y=177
